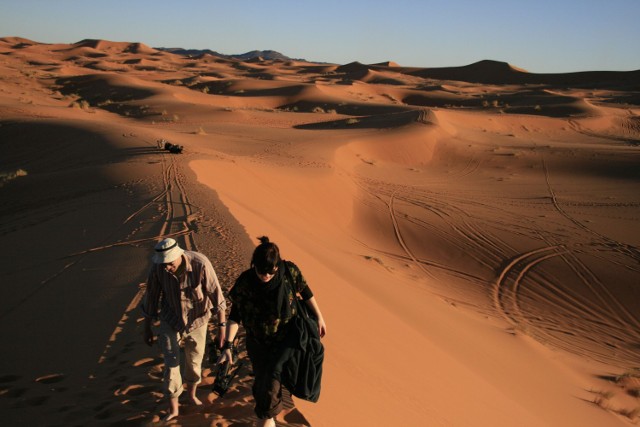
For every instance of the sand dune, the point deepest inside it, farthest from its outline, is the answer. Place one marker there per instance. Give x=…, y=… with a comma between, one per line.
x=471, y=233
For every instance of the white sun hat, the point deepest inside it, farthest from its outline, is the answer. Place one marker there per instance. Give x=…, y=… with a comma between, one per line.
x=167, y=250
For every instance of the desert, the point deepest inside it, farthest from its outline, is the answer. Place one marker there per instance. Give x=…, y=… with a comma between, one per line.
x=472, y=232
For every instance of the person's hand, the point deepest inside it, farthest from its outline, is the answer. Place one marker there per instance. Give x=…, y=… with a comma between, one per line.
x=226, y=356
x=322, y=327
x=148, y=335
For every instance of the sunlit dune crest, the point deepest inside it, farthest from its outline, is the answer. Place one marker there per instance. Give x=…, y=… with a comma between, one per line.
x=470, y=232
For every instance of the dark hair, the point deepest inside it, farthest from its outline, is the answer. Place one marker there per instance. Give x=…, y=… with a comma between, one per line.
x=266, y=256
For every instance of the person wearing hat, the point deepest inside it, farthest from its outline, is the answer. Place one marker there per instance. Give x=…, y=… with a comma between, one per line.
x=182, y=292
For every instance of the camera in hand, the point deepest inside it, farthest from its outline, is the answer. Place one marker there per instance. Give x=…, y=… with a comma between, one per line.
x=223, y=372
x=223, y=378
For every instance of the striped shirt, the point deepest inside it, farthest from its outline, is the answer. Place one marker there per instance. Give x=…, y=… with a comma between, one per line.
x=185, y=302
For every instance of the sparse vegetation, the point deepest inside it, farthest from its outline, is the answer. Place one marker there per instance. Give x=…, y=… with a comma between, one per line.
x=630, y=382
x=5, y=177
x=352, y=121
x=82, y=104
x=603, y=399
x=632, y=414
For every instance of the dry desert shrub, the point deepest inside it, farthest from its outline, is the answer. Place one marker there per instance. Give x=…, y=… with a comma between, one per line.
x=352, y=121
x=82, y=104
x=630, y=382
x=632, y=414
x=318, y=110
x=5, y=177
x=603, y=399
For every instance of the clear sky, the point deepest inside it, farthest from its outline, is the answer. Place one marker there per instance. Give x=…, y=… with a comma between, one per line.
x=543, y=36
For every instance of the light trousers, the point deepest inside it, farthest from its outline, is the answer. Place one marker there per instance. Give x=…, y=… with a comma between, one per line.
x=194, y=349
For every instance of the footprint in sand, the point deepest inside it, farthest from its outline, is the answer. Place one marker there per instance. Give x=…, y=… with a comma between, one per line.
x=101, y=406
x=50, y=379
x=134, y=390
x=14, y=393
x=37, y=400
x=31, y=401
x=147, y=361
x=104, y=415
x=8, y=378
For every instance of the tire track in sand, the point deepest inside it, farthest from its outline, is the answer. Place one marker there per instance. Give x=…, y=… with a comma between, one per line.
x=589, y=319
x=505, y=297
x=400, y=239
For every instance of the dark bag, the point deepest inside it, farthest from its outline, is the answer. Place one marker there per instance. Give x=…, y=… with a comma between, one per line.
x=302, y=371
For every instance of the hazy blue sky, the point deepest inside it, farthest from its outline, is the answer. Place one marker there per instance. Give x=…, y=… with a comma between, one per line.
x=537, y=35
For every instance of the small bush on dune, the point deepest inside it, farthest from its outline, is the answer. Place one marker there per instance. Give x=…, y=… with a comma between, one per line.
x=5, y=177
x=82, y=104
x=603, y=399
x=630, y=382
x=632, y=414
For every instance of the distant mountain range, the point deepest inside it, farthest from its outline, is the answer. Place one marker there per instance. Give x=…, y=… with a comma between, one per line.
x=254, y=54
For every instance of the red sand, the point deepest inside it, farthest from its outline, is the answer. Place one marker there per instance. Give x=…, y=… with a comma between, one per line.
x=471, y=234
